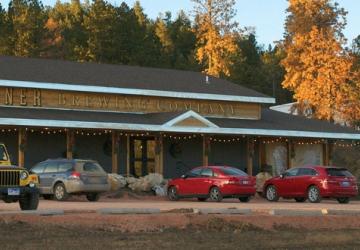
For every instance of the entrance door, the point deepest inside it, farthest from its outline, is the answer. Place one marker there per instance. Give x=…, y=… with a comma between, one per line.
x=142, y=156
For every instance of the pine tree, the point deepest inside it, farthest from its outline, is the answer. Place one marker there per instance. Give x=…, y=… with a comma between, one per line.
x=27, y=18
x=100, y=23
x=317, y=67
x=215, y=28
x=5, y=33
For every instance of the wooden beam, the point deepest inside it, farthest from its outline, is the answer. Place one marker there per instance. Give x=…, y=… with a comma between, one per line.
x=206, y=150
x=21, y=147
x=70, y=142
x=249, y=155
x=159, y=155
x=115, y=152
x=128, y=154
x=326, y=153
x=290, y=148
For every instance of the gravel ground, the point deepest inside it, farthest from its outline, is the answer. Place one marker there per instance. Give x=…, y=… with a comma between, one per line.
x=178, y=231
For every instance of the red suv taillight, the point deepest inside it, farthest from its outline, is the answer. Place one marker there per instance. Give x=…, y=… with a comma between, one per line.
x=74, y=175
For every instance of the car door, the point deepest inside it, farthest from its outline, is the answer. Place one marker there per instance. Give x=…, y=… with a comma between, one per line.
x=305, y=177
x=205, y=181
x=285, y=185
x=48, y=176
x=188, y=186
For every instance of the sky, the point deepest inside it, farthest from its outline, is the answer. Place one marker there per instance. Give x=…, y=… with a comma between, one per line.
x=267, y=16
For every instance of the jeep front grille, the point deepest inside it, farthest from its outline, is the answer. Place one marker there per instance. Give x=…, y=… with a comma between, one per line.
x=9, y=178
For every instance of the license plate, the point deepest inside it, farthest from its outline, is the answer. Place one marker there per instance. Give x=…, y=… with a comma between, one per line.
x=345, y=184
x=245, y=182
x=13, y=191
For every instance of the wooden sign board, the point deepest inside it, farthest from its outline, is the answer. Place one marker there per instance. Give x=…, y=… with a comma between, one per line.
x=124, y=103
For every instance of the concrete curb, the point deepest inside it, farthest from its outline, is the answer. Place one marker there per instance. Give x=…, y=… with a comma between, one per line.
x=343, y=212
x=128, y=211
x=35, y=212
x=222, y=211
x=291, y=212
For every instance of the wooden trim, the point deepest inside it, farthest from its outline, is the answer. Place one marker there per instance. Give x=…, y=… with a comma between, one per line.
x=70, y=142
x=21, y=147
x=128, y=154
x=114, y=152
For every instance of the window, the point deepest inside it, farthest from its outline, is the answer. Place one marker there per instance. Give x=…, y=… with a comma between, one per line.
x=92, y=167
x=207, y=172
x=51, y=167
x=307, y=171
x=233, y=171
x=65, y=166
x=292, y=172
x=338, y=172
x=194, y=173
x=3, y=154
x=39, y=168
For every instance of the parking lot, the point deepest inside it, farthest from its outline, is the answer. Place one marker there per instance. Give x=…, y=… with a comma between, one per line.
x=256, y=204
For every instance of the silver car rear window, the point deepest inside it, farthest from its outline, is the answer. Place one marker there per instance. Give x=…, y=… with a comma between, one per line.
x=89, y=167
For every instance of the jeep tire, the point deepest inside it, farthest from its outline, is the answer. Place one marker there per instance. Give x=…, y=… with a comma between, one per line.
x=30, y=201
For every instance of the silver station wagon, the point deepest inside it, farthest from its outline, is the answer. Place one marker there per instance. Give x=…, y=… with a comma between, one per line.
x=61, y=177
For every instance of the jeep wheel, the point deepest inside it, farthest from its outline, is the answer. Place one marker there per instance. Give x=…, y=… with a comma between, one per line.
x=29, y=201
x=93, y=197
x=60, y=193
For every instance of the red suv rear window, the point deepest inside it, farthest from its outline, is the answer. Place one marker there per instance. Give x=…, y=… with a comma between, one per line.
x=340, y=172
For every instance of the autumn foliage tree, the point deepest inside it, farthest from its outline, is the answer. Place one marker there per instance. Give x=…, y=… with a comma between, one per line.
x=318, y=69
x=215, y=37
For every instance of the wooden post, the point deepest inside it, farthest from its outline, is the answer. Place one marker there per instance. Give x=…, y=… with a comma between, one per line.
x=290, y=148
x=249, y=155
x=21, y=147
x=326, y=153
x=70, y=141
x=128, y=154
x=115, y=152
x=206, y=150
x=159, y=155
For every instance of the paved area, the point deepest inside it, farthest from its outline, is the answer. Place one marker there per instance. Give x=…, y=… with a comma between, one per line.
x=256, y=205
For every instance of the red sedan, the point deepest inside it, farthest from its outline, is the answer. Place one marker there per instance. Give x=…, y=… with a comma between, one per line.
x=215, y=183
x=313, y=183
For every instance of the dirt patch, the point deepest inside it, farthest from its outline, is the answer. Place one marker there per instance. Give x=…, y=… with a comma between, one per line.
x=199, y=232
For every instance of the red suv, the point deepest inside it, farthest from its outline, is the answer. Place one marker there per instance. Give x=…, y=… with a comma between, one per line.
x=313, y=183
x=215, y=183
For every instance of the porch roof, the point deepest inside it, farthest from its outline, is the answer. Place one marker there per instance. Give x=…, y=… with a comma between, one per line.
x=272, y=123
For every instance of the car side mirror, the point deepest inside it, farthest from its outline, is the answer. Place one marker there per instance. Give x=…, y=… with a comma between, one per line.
x=184, y=176
x=282, y=176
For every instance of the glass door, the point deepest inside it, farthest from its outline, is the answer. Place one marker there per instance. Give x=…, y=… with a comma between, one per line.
x=142, y=156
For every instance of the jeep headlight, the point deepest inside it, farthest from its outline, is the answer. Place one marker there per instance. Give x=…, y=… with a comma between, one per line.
x=24, y=175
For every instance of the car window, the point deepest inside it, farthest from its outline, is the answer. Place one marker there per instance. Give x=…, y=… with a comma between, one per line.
x=65, y=166
x=39, y=168
x=51, y=167
x=207, y=172
x=3, y=155
x=307, y=172
x=340, y=172
x=292, y=172
x=233, y=171
x=194, y=173
x=91, y=167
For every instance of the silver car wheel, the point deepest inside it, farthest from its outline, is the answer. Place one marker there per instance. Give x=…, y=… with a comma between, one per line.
x=59, y=192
